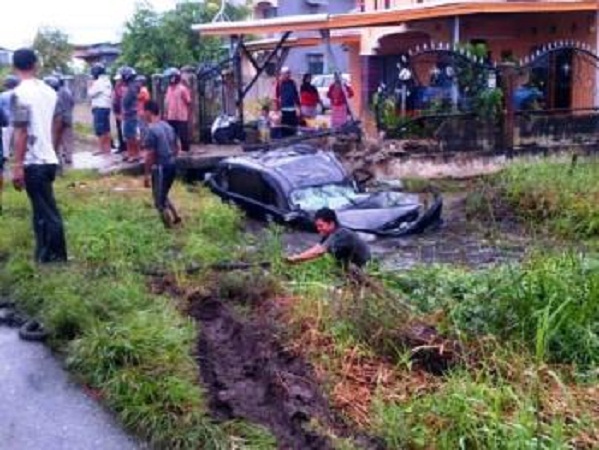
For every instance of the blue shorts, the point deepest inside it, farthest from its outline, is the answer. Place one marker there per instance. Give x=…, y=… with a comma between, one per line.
x=101, y=121
x=130, y=129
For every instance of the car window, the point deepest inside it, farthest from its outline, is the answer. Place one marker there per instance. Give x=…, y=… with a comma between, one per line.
x=250, y=184
x=332, y=196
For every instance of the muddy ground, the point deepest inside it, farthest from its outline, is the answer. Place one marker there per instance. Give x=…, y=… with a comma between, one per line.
x=249, y=374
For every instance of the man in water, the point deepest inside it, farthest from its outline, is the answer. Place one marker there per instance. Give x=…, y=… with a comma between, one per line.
x=342, y=243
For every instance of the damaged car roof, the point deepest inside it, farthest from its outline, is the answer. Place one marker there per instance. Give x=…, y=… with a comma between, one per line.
x=296, y=167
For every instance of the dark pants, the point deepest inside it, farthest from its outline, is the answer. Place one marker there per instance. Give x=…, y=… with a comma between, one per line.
x=181, y=128
x=289, y=123
x=119, y=128
x=163, y=177
x=50, y=243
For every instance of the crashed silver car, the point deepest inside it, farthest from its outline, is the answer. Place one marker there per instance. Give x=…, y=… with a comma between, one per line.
x=289, y=185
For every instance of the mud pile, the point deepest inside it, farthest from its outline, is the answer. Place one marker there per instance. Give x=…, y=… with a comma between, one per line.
x=249, y=375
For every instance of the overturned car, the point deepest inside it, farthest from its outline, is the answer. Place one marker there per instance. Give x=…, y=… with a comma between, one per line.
x=289, y=185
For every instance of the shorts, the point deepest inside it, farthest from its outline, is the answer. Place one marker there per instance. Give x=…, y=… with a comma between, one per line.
x=130, y=129
x=101, y=121
x=163, y=178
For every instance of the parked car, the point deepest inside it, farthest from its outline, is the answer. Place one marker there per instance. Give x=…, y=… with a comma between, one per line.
x=322, y=84
x=289, y=185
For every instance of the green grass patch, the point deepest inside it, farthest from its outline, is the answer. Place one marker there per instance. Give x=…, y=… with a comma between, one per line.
x=555, y=196
x=132, y=347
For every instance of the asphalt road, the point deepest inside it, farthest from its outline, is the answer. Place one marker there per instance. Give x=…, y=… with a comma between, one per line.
x=40, y=408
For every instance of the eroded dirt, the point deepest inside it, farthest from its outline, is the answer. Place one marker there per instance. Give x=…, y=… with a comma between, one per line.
x=249, y=375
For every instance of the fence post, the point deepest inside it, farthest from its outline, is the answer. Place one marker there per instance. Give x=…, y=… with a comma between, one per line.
x=508, y=75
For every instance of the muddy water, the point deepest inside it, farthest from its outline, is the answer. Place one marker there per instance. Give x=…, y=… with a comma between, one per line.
x=457, y=241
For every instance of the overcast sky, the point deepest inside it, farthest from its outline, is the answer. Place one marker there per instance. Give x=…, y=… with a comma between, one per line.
x=84, y=21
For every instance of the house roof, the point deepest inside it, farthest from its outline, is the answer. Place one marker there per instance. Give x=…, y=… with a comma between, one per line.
x=392, y=16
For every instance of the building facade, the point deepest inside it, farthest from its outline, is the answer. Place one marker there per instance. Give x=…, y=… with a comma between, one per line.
x=312, y=60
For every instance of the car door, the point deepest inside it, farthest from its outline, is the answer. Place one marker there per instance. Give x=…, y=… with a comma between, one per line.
x=256, y=195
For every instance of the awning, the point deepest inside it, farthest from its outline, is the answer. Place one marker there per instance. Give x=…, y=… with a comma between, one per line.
x=393, y=16
x=346, y=37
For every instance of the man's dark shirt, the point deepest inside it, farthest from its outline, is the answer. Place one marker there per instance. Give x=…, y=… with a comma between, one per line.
x=162, y=140
x=347, y=247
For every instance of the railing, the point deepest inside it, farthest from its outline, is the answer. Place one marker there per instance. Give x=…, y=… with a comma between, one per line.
x=543, y=130
x=558, y=128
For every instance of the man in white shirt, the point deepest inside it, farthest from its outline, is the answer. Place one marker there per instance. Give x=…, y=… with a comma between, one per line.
x=32, y=113
x=100, y=93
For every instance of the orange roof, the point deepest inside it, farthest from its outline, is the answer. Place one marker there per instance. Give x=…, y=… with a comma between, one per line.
x=393, y=16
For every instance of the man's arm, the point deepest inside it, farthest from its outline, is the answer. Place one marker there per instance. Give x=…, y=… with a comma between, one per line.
x=312, y=253
x=20, y=120
x=150, y=159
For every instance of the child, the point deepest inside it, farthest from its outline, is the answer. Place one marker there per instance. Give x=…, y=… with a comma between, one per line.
x=161, y=149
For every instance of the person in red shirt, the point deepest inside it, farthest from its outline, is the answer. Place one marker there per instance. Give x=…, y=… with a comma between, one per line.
x=309, y=98
x=178, y=106
x=339, y=105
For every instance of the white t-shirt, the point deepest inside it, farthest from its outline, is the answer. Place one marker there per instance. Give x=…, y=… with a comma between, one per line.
x=100, y=92
x=33, y=107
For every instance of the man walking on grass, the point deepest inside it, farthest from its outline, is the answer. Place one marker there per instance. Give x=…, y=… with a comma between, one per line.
x=35, y=164
x=160, y=168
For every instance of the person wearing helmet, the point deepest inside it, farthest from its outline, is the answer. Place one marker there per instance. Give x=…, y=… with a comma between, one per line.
x=117, y=104
x=143, y=97
x=66, y=139
x=35, y=161
x=130, y=114
x=288, y=97
x=9, y=84
x=177, y=106
x=100, y=93
x=63, y=119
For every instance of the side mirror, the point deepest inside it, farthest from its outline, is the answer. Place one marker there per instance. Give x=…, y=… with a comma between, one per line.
x=362, y=176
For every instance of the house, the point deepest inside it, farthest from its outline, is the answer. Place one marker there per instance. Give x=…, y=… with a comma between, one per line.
x=553, y=42
x=314, y=59
x=104, y=52
x=5, y=57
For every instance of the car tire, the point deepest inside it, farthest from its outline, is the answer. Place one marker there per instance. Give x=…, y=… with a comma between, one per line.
x=33, y=331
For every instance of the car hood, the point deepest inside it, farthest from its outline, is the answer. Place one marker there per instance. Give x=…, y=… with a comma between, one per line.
x=379, y=210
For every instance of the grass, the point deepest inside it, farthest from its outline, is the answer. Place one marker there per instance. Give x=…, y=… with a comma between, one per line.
x=132, y=348
x=546, y=196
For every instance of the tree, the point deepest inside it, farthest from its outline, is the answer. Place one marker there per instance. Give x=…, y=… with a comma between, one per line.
x=54, y=50
x=153, y=41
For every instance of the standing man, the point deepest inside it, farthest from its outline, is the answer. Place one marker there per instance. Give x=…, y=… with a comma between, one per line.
x=117, y=105
x=161, y=149
x=342, y=243
x=35, y=163
x=177, y=106
x=63, y=119
x=10, y=83
x=100, y=93
x=129, y=111
x=289, y=101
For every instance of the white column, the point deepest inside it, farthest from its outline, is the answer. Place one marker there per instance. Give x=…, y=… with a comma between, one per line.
x=455, y=39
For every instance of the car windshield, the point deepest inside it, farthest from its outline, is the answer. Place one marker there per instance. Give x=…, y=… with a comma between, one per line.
x=332, y=196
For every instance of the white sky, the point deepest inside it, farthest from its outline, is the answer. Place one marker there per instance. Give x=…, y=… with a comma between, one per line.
x=85, y=21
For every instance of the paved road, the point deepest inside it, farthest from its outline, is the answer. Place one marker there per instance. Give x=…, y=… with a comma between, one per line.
x=40, y=408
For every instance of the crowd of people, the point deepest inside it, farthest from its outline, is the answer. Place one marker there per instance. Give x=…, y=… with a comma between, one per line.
x=126, y=101
x=293, y=107
x=36, y=117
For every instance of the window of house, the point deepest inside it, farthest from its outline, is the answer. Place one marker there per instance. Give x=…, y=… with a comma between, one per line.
x=315, y=63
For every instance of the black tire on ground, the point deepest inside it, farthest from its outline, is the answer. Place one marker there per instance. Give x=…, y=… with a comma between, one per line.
x=6, y=304
x=33, y=331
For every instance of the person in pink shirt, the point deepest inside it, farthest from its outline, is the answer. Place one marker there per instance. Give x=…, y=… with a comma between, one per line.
x=177, y=105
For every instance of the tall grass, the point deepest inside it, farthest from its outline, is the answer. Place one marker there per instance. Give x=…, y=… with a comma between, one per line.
x=132, y=347
x=553, y=195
